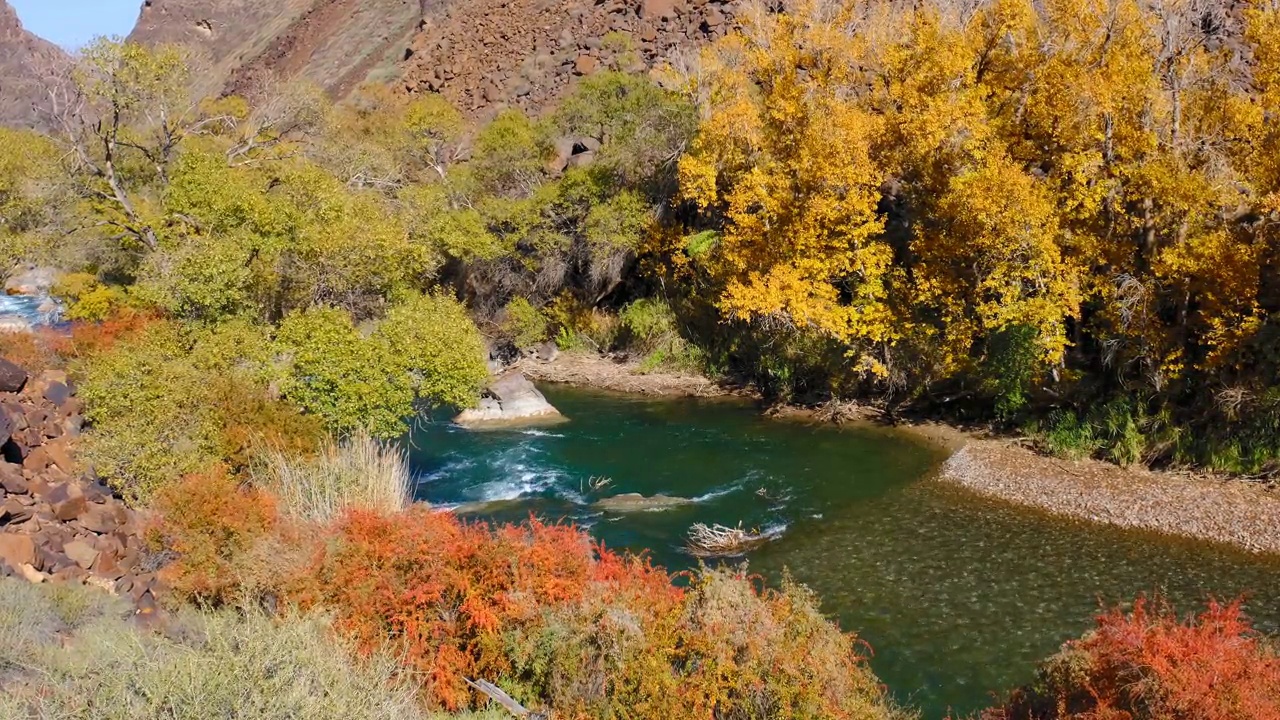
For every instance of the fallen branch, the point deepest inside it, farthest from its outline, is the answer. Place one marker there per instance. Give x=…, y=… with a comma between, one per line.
x=508, y=703
x=721, y=541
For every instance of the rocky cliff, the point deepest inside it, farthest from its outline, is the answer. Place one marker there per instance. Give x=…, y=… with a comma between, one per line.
x=242, y=44
x=24, y=59
x=481, y=54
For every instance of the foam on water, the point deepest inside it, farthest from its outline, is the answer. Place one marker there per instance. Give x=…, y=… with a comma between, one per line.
x=541, y=433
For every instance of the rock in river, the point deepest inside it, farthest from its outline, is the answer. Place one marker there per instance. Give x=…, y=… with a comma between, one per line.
x=509, y=400
x=635, y=502
x=31, y=281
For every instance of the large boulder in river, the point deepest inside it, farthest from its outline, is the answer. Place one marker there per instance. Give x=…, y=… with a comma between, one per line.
x=32, y=281
x=510, y=399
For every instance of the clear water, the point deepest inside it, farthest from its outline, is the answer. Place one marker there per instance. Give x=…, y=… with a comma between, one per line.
x=33, y=309
x=959, y=596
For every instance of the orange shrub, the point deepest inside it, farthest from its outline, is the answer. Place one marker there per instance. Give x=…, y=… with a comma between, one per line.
x=251, y=420
x=90, y=338
x=446, y=591
x=32, y=351
x=1149, y=665
x=213, y=525
x=563, y=623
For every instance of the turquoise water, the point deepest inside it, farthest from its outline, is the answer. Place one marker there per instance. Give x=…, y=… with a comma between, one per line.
x=958, y=595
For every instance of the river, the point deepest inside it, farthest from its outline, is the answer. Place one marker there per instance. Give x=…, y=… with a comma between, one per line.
x=958, y=595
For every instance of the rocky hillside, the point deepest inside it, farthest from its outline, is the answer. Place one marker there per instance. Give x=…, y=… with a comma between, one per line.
x=57, y=522
x=24, y=58
x=525, y=53
x=242, y=44
x=480, y=54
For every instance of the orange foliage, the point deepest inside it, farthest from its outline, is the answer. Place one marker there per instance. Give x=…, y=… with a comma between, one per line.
x=86, y=338
x=1148, y=665
x=32, y=351
x=212, y=523
x=252, y=420
x=446, y=590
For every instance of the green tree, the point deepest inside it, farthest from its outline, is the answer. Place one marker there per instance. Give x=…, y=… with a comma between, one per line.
x=352, y=382
x=434, y=341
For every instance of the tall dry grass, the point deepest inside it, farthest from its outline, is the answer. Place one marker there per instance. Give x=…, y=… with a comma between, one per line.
x=356, y=472
x=72, y=653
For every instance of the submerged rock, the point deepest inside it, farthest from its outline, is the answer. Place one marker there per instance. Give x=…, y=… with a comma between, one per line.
x=510, y=399
x=635, y=502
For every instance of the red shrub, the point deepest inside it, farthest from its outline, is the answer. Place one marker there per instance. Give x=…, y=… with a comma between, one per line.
x=1147, y=664
x=32, y=351
x=446, y=591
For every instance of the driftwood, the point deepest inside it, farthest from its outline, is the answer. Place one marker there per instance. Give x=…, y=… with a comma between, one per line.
x=508, y=703
x=721, y=541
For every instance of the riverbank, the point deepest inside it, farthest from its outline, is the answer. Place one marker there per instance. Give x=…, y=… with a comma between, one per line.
x=597, y=371
x=1217, y=509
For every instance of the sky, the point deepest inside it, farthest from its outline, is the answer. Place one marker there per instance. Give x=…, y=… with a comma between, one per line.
x=73, y=23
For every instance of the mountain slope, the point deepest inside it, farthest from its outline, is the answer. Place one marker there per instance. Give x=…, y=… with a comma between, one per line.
x=525, y=53
x=24, y=59
x=242, y=44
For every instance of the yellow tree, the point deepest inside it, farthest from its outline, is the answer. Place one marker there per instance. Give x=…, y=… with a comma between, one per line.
x=783, y=159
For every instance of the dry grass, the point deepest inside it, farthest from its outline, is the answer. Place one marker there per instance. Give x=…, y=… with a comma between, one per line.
x=84, y=659
x=357, y=472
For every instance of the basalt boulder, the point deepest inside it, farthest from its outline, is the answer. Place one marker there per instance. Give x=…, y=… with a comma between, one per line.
x=510, y=399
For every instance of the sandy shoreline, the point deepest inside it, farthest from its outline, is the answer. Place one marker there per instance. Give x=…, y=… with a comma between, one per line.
x=1228, y=511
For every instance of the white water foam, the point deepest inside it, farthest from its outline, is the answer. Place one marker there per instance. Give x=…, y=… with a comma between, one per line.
x=541, y=433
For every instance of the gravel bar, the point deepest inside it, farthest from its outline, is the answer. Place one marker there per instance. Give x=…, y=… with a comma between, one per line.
x=1222, y=510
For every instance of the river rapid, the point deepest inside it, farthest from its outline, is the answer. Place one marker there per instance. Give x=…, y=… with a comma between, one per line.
x=958, y=595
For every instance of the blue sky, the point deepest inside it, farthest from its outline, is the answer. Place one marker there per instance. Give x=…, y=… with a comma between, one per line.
x=72, y=23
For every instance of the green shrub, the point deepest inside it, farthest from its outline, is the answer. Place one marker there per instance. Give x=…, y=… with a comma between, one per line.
x=350, y=381
x=524, y=323
x=165, y=403
x=1009, y=368
x=431, y=338
x=149, y=407
x=1117, y=424
x=99, y=666
x=649, y=328
x=1069, y=437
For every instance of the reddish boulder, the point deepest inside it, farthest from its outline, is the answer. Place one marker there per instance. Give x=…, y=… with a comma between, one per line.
x=585, y=65
x=11, y=479
x=36, y=460
x=17, y=550
x=60, y=454
x=82, y=553
x=12, y=377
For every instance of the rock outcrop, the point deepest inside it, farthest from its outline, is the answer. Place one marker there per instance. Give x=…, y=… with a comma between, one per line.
x=480, y=54
x=510, y=399
x=486, y=54
x=57, y=522
x=635, y=502
x=32, y=280
x=24, y=60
